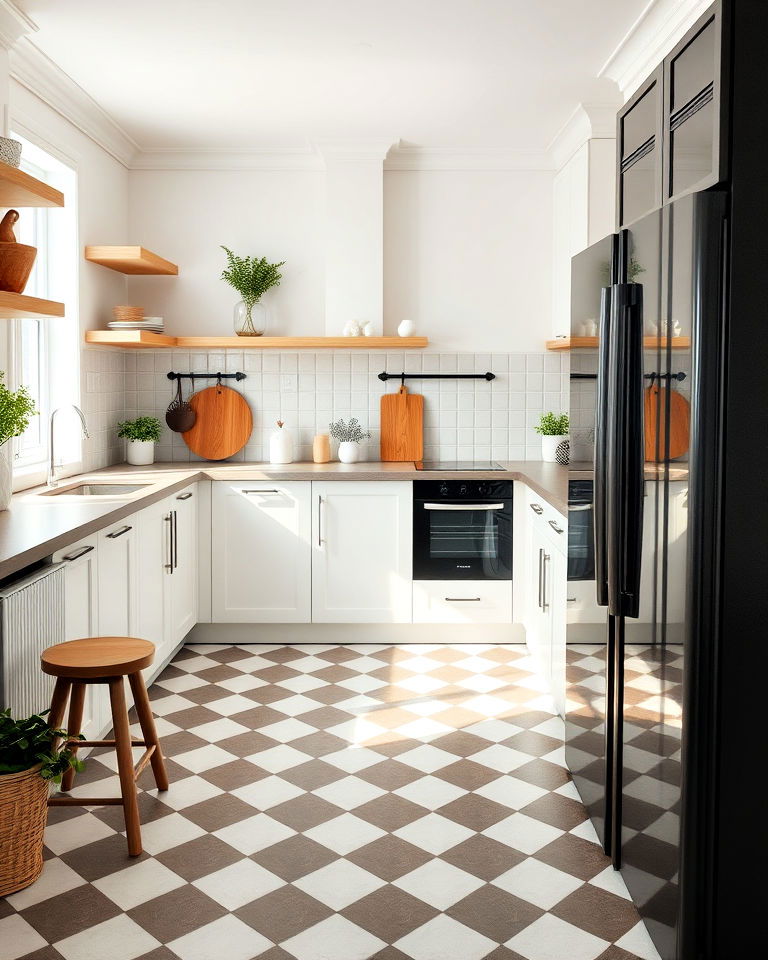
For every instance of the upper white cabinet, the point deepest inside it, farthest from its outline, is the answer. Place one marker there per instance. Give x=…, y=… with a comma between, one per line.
x=261, y=555
x=118, y=579
x=361, y=551
x=184, y=540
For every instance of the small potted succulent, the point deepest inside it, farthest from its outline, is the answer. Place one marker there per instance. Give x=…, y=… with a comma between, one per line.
x=251, y=277
x=32, y=756
x=16, y=409
x=554, y=428
x=142, y=434
x=349, y=436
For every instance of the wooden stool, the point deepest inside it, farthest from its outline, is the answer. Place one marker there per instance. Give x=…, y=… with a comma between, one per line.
x=107, y=660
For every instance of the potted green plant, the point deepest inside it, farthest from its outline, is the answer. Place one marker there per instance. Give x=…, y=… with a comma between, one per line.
x=553, y=428
x=32, y=756
x=16, y=410
x=251, y=277
x=142, y=434
x=349, y=436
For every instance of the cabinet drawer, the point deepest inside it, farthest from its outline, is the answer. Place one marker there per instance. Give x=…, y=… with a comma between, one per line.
x=462, y=601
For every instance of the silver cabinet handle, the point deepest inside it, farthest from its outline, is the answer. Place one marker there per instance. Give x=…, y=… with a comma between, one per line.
x=537, y=508
x=118, y=533
x=184, y=496
x=553, y=524
x=320, y=520
x=169, y=542
x=463, y=506
x=578, y=508
x=175, y=527
x=541, y=576
x=462, y=599
x=78, y=553
x=248, y=492
x=545, y=578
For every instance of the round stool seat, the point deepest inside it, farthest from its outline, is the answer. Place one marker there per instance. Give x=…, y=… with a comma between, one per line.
x=94, y=658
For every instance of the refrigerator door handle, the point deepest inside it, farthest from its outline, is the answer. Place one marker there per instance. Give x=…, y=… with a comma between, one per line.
x=599, y=485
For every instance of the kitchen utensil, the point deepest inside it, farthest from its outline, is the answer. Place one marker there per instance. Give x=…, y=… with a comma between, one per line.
x=656, y=400
x=402, y=425
x=179, y=416
x=223, y=423
x=16, y=259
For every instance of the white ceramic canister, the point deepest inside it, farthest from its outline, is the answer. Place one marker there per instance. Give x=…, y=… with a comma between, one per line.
x=281, y=444
x=349, y=451
x=140, y=453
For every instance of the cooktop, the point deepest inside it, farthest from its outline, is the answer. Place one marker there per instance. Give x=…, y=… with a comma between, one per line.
x=458, y=465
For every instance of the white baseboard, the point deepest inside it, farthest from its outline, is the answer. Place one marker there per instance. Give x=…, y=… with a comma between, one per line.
x=355, y=633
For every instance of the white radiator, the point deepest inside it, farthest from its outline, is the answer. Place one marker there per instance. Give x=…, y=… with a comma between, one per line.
x=31, y=619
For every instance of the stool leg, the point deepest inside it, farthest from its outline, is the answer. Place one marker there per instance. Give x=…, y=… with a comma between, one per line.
x=74, y=727
x=59, y=702
x=147, y=723
x=125, y=765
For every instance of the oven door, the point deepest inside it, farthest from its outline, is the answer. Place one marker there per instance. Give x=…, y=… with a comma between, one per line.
x=462, y=540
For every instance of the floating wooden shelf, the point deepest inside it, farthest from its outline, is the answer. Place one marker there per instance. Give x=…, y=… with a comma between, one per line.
x=131, y=260
x=17, y=305
x=649, y=343
x=19, y=189
x=143, y=338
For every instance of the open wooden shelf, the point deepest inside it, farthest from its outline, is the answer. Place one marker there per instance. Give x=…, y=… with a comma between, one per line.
x=19, y=189
x=136, y=261
x=137, y=339
x=649, y=343
x=17, y=305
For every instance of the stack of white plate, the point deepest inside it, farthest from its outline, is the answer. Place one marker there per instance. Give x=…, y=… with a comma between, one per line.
x=154, y=324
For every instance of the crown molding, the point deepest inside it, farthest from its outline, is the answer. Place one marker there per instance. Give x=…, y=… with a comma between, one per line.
x=354, y=151
x=589, y=121
x=41, y=76
x=658, y=28
x=14, y=24
x=409, y=157
x=234, y=158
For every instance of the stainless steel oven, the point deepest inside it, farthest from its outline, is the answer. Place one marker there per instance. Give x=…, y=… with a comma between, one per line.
x=462, y=530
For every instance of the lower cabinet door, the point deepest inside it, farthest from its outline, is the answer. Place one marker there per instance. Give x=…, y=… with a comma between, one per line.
x=184, y=579
x=118, y=579
x=558, y=588
x=462, y=601
x=261, y=554
x=361, y=551
x=154, y=577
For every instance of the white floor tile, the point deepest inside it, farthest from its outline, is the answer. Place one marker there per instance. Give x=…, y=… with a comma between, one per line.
x=493, y=730
x=254, y=834
x=333, y=939
x=138, y=883
x=179, y=684
x=434, y=833
x=421, y=684
x=238, y=884
x=204, y=758
x=286, y=730
x=511, y=792
x=119, y=939
x=245, y=681
x=638, y=941
x=56, y=878
x=295, y=706
x=18, y=937
x=443, y=938
x=279, y=758
x=219, y=730
x=350, y=792
x=302, y=684
x=76, y=832
x=612, y=881
x=439, y=884
x=430, y=792
x=538, y=883
x=183, y=793
x=231, y=705
x=362, y=683
x=427, y=758
x=353, y=758
x=268, y=792
x=339, y=883
x=550, y=938
x=345, y=833
x=226, y=937
x=171, y=704
x=503, y=759
x=424, y=729
x=167, y=832
x=523, y=833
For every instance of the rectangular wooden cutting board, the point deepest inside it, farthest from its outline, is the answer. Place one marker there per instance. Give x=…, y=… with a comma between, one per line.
x=402, y=426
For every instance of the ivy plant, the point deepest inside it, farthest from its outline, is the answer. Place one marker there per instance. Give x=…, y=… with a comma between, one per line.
x=553, y=424
x=142, y=428
x=25, y=743
x=16, y=410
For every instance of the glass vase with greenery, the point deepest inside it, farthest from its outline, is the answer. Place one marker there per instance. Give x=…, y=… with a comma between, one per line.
x=251, y=277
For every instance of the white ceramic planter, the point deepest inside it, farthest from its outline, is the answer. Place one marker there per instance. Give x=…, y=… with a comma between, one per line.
x=6, y=475
x=140, y=452
x=549, y=445
x=281, y=446
x=349, y=451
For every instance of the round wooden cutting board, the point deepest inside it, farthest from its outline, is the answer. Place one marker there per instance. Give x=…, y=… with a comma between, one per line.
x=223, y=423
x=657, y=401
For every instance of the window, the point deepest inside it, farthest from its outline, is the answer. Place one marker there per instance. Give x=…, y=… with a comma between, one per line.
x=44, y=352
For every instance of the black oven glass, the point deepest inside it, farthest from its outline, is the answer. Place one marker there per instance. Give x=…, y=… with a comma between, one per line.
x=581, y=535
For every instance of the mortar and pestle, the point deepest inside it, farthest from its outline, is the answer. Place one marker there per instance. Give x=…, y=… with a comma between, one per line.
x=16, y=259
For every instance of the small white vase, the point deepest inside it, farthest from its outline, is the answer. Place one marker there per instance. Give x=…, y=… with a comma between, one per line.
x=349, y=451
x=281, y=445
x=140, y=452
x=6, y=475
x=407, y=328
x=549, y=445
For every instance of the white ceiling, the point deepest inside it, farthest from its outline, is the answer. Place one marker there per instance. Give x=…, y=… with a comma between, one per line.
x=279, y=73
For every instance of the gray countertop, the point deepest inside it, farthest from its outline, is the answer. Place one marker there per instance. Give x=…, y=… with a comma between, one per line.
x=34, y=527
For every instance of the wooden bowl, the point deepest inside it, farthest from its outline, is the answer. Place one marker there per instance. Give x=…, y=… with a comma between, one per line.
x=16, y=262
x=128, y=313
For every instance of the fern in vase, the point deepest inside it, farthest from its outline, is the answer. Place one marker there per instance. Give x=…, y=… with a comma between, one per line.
x=251, y=277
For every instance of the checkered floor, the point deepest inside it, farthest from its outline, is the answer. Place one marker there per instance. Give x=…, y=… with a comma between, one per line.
x=337, y=803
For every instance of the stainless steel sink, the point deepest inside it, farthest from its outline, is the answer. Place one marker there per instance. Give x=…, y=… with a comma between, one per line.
x=97, y=490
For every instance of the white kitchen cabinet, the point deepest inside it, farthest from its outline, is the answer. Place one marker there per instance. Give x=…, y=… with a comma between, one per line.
x=154, y=557
x=261, y=554
x=118, y=579
x=462, y=601
x=183, y=579
x=361, y=551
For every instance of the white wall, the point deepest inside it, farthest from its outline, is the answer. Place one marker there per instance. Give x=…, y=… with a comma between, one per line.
x=466, y=254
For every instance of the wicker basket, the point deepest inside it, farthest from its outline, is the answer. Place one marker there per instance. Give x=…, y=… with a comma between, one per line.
x=23, y=814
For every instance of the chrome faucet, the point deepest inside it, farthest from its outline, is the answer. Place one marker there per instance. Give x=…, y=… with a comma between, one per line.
x=52, y=481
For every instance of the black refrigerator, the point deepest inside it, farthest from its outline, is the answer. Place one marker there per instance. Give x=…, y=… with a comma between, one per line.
x=667, y=660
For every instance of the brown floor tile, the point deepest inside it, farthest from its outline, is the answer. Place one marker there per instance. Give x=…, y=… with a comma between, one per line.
x=246, y=744
x=319, y=744
x=389, y=857
x=598, y=911
x=283, y=655
x=390, y=953
x=151, y=807
x=529, y=718
x=536, y=744
x=199, y=857
x=304, y=812
x=574, y=855
x=329, y=694
x=48, y=953
x=92, y=861
x=218, y=812
x=325, y=717
x=391, y=744
x=276, y=674
x=236, y=773
x=389, y=812
x=616, y=953
x=276, y=953
x=460, y=743
x=494, y=913
x=70, y=913
x=206, y=694
x=504, y=953
x=448, y=655
x=176, y=913
x=338, y=655
x=557, y=811
x=483, y=857
x=467, y=774
x=390, y=774
x=217, y=674
x=295, y=857
x=271, y=693
x=389, y=913
x=258, y=717
x=228, y=655
x=184, y=741
x=543, y=774
x=334, y=673
x=475, y=812
x=312, y=774
x=283, y=913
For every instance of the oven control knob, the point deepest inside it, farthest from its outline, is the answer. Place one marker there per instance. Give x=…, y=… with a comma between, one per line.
x=443, y=489
x=463, y=489
x=482, y=489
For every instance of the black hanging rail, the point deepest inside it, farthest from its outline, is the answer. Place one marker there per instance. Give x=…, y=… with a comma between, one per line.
x=437, y=376
x=583, y=376
x=206, y=376
x=665, y=376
